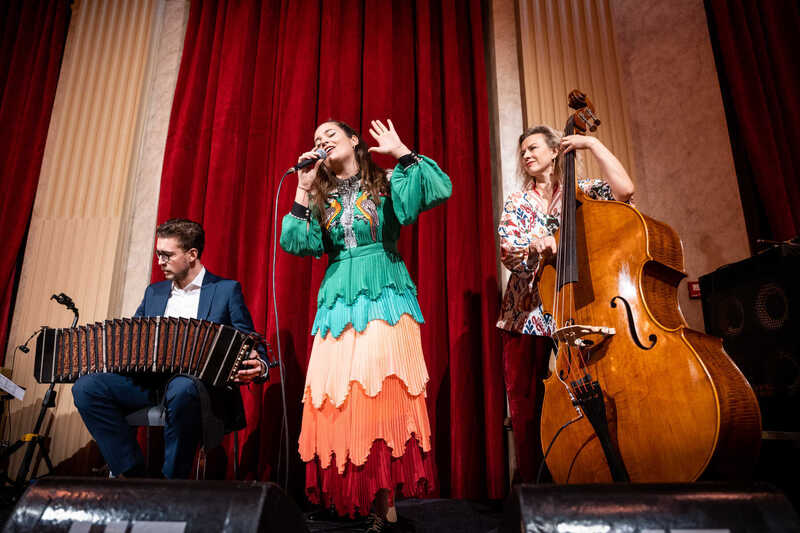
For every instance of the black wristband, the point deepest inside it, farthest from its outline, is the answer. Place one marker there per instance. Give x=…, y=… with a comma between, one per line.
x=409, y=159
x=300, y=211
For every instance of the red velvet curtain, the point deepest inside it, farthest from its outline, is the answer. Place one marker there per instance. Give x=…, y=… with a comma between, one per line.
x=755, y=47
x=31, y=47
x=255, y=80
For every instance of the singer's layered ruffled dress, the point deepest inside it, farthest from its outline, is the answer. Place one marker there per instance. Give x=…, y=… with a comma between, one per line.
x=365, y=424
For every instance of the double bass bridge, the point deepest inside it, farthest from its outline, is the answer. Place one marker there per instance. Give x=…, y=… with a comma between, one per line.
x=577, y=335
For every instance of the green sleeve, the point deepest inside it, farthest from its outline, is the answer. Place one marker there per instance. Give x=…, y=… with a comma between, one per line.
x=418, y=188
x=301, y=237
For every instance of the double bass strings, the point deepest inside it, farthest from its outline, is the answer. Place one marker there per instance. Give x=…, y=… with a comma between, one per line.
x=566, y=270
x=560, y=295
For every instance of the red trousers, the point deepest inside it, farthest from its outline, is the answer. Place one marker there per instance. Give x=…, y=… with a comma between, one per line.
x=525, y=360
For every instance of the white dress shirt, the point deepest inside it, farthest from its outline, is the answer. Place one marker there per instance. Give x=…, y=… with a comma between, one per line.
x=184, y=302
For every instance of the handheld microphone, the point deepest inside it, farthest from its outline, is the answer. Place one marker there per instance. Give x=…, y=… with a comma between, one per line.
x=306, y=162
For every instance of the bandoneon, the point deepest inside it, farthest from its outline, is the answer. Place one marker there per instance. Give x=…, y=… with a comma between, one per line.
x=208, y=351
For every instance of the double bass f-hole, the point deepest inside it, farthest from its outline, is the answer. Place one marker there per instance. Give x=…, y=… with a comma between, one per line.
x=632, y=325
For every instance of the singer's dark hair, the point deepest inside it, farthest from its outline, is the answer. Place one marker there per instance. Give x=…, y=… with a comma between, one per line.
x=373, y=177
x=189, y=234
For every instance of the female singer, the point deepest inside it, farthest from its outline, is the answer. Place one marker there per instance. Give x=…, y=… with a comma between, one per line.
x=365, y=430
x=530, y=218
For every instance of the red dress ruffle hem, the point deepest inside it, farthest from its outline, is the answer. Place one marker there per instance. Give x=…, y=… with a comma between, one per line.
x=352, y=493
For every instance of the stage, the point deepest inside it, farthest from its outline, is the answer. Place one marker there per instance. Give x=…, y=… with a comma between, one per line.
x=433, y=515
x=54, y=504
x=427, y=516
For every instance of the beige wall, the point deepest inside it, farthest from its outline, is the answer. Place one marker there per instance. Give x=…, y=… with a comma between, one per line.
x=93, y=169
x=506, y=122
x=566, y=45
x=683, y=161
x=135, y=251
x=505, y=104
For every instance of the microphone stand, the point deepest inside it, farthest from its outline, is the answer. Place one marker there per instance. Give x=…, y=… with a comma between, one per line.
x=48, y=401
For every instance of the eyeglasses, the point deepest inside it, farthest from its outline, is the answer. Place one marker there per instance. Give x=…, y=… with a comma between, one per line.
x=165, y=257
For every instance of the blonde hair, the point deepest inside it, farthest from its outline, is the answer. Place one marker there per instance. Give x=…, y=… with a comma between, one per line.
x=553, y=139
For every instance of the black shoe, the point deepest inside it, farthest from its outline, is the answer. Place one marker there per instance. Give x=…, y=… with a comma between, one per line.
x=137, y=471
x=403, y=525
x=323, y=515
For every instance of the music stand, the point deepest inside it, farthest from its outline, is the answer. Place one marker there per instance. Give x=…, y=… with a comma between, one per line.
x=34, y=438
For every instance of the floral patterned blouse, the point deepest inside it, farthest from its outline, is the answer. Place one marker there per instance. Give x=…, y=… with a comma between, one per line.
x=525, y=217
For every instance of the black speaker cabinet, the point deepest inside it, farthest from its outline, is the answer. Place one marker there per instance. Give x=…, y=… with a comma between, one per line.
x=651, y=508
x=754, y=306
x=96, y=505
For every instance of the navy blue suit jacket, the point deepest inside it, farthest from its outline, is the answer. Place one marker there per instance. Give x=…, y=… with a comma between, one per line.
x=221, y=301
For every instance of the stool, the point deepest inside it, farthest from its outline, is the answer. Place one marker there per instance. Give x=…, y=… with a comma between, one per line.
x=156, y=416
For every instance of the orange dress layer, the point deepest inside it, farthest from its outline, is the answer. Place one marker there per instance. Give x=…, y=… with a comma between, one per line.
x=365, y=421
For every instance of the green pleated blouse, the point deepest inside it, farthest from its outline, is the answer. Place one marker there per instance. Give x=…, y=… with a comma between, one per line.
x=366, y=278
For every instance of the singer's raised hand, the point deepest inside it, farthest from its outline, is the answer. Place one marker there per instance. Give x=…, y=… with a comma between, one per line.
x=388, y=140
x=307, y=175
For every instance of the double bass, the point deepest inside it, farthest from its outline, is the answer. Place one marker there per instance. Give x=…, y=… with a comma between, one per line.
x=634, y=394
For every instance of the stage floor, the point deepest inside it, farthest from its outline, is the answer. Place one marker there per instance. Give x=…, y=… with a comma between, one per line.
x=428, y=516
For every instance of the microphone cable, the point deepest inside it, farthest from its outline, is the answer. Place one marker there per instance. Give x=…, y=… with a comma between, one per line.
x=285, y=422
x=550, y=446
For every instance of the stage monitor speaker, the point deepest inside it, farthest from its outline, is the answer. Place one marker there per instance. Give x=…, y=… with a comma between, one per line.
x=754, y=306
x=97, y=505
x=651, y=508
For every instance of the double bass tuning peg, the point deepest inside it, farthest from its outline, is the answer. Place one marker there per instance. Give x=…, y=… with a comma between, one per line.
x=585, y=117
